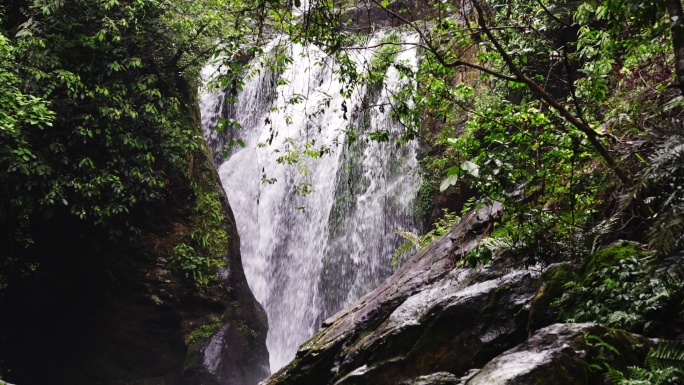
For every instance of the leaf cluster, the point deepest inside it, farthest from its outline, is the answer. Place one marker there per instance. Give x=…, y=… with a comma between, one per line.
x=96, y=111
x=203, y=246
x=416, y=242
x=664, y=365
x=662, y=181
x=618, y=287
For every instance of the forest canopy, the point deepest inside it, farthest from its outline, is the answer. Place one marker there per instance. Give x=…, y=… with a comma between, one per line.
x=567, y=112
x=98, y=100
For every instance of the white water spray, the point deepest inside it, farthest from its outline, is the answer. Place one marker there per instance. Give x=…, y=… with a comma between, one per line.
x=308, y=256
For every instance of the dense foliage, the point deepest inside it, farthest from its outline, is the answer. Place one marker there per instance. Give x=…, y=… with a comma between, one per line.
x=616, y=288
x=98, y=99
x=566, y=112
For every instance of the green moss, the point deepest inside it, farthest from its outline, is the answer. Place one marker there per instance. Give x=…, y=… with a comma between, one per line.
x=203, y=246
x=609, y=256
x=554, y=279
x=262, y=317
x=204, y=332
x=246, y=330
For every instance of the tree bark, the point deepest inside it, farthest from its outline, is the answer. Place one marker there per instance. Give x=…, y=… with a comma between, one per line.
x=674, y=8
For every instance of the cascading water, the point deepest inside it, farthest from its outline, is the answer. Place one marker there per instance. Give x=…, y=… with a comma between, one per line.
x=308, y=255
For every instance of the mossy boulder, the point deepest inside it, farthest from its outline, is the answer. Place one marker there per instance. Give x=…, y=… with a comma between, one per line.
x=551, y=288
x=609, y=256
x=565, y=354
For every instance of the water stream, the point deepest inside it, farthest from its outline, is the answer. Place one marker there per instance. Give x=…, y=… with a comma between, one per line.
x=306, y=256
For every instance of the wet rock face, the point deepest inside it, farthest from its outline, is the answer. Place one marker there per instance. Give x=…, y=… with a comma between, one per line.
x=367, y=17
x=440, y=378
x=235, y=353
x=104, y=312
x=478, y=313
x=432, y=323
x=561, y=354
x=429, y=317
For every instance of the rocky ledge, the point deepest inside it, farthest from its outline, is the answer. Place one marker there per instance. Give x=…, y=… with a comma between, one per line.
x=433, y=322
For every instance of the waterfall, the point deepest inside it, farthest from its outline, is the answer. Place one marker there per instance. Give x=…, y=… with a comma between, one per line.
x=306, y=256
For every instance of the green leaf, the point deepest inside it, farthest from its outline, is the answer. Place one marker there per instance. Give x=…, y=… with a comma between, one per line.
x=454, y=170
x=471, y=168
x=448, y=182
x=380, y=136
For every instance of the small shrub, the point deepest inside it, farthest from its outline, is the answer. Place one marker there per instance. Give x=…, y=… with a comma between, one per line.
x=618, y=288
x=205, y=331
x=201, y=250
x=664, y=366
x=415, y=242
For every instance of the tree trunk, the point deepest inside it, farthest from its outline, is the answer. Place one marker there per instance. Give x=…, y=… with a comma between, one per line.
x=674, y=8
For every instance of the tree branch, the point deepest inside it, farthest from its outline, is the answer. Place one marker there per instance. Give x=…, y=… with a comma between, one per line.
x=554, y=17
x=591, y=135
x=439, y=56
x=674, y=9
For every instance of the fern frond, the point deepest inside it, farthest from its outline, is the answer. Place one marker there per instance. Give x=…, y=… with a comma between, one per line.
x=662, y=178
x=615, y=377
x=498, y=243
x=668, y=354
x=667, y=376
x=601, y=230
x=673, y=279
x=409, y=236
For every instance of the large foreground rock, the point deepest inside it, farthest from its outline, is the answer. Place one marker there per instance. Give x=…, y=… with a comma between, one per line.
x=428, y=317
x=436, y=323
x=565, y=354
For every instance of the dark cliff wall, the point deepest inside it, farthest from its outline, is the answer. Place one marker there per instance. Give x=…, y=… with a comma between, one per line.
x=104, y=311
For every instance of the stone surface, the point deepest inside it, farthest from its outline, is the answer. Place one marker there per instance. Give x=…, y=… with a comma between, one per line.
x=435, y=323
x=367, y=17
x=562, y=354
x=440, y=378
x=553, y=279
x=428, y=317
x=236, y=353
